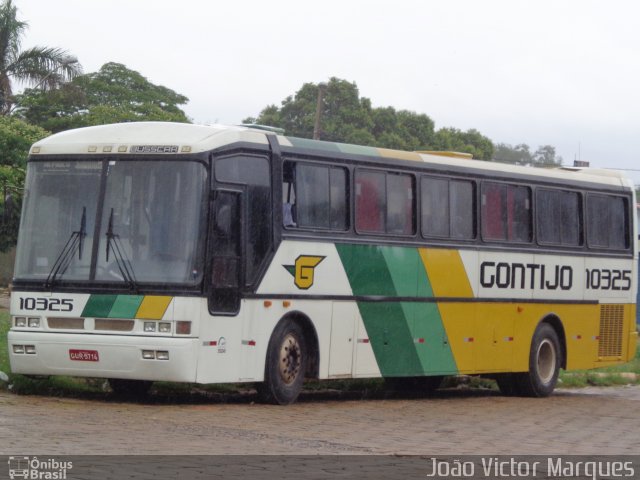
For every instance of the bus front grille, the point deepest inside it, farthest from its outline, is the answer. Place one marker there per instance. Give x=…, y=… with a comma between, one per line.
x=611, y=322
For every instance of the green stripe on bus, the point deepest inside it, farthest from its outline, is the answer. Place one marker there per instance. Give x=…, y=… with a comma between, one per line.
x=366, y=270
x=390, y=338
x=126, y=306
x=358, y=150
x=386, y=324
x=429, y=338
x=99, y=305
x=407, y=338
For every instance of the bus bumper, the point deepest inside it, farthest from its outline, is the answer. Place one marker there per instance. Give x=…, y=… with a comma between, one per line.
x=103, y=356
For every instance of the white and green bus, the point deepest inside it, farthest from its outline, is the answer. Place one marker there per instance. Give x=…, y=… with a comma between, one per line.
x=209, y=254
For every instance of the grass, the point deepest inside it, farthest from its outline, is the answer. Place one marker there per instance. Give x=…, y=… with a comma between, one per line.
x=604, y=377
x=92, y=387
x=56, y=386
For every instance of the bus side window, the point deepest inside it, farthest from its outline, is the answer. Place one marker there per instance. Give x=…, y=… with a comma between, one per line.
x=492, y=212
x=314, y=196
x=506, y=213
x=370, y=190
x=288, y=196
x=607, y=222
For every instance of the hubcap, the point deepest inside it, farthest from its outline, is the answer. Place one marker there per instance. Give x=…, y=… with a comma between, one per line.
x=546, y=361
x=290, y=359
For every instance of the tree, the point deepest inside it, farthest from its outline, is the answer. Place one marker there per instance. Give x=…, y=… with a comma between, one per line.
x=44, y=67
x=518, y=155
x=471, y=141
x=16, y=138
x=347, y=117
x=545, y=156
x=113, y=94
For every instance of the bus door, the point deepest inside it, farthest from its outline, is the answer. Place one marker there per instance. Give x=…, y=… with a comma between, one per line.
x=226, y=252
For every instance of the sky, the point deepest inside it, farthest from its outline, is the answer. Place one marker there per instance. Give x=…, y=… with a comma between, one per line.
x=559, y=72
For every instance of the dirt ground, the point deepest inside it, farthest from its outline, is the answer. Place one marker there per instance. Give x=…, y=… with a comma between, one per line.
x=588, y=421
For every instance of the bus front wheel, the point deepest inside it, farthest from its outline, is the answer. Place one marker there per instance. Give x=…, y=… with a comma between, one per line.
x=544, y=363
x=285, y=365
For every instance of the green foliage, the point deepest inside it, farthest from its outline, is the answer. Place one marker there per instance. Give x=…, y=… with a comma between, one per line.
x=44, y=67
x=471, y=141
x=113, y=94
x=16, y=138
x=349, y=118
x=544, y=156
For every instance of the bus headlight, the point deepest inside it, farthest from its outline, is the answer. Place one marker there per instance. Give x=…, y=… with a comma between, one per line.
x=164, y=327
x=34, y=322
x=18, y=349
x=149, y=326
x=20, y=321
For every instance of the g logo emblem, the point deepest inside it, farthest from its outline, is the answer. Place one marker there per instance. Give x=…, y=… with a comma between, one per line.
x=303, y=270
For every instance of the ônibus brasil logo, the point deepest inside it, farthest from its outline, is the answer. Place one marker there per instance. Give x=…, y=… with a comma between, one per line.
x=303, y=270
x=33, y=468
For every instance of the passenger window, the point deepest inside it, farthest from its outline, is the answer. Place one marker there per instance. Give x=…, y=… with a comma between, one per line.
x=448, y=208
x=506, y=213
x=607, y=222
x=385, y=203
x=315, y=196
x=370, y=200
x=559, y=217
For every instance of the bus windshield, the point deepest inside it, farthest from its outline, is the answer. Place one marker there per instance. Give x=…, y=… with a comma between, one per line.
x=149, y=216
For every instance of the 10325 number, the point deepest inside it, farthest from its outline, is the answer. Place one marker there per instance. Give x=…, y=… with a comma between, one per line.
x=46, y=304
x=605, y=279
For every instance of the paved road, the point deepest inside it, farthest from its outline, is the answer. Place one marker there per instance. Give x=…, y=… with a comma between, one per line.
x=591, y=421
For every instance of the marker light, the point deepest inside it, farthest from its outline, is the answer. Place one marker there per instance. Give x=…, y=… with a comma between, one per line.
x=164, y=327
x=183, y=328
x=149, y=326
x=148, y=354
x=162, y=355
x=34, y=322
x=20, y=321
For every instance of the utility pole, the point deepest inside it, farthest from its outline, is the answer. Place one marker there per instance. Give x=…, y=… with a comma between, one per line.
x=322, y=87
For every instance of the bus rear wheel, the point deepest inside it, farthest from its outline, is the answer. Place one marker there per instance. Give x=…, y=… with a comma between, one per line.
x=285, y=365
x=544, y=364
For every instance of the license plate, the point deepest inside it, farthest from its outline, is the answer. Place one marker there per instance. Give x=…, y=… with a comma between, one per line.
x=84, y=355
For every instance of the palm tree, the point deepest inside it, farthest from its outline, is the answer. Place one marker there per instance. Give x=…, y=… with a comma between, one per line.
x=44, y=67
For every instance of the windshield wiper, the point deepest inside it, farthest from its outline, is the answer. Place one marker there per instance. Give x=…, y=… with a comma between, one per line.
x=124, y=265
x=75, y=242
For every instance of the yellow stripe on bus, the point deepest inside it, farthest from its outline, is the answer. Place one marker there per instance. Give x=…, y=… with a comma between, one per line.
x=446, y=273
x=153, y=307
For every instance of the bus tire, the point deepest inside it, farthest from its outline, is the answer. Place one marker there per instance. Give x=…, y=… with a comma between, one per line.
x=129, y=388
x=285, y=364
x=545, y=358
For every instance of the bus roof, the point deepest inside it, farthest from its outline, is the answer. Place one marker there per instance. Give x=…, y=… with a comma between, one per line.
x=175, y=138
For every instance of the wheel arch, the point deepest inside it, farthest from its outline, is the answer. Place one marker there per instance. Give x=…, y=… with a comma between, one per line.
x=555, y=322
x=310, y=340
